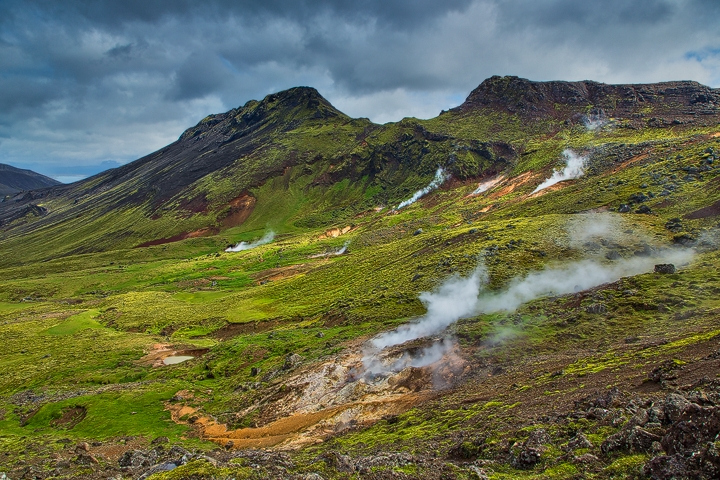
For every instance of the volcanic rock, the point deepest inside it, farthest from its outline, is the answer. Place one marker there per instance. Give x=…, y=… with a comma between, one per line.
x=138, y=458
x=665, y=268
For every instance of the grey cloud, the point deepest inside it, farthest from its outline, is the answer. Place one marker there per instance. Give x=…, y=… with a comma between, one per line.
x=95, y=75
x=202, y=72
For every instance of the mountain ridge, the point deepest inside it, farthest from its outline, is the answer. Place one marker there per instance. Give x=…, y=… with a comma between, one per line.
x=681, y=100
x=189, y=186
x=14, y=180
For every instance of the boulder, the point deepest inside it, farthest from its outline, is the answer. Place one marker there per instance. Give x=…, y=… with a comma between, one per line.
x=664, y=467
x=579, y=441
x=292, y=360
x=673, y=407
x=596, y=308
x=640, y=440
x=696, y=426
x=665, y=268
x=138, y=458
x=527, y=458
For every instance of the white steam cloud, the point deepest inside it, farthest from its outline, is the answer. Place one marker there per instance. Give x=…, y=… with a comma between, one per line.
x=594, y=121
x=453, y=300
x=343, y=249
x=459, y=298
x=487, y=185
x=339, y=251
x=267, y=238
x=574, y=168
x=440, y=177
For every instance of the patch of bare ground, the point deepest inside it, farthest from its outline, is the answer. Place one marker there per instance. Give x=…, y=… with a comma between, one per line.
x=511, y=184
x=69, y=417
x=630, y=161
x=240, y=209
x=203, y=232
x=279, y=273
x=712, y=210
x=232, y=330
x=160, y=351
x=336, y=232
x=320, y=400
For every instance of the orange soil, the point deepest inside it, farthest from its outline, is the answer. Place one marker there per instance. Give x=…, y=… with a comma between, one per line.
x=335, y=232
x=289, y=429
x=516, y=182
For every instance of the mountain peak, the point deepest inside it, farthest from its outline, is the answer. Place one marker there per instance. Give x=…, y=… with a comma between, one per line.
x=683, y=101
x=17, y=179
x=284, y=109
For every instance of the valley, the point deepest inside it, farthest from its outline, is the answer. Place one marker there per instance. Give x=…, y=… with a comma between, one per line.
x=564, y=319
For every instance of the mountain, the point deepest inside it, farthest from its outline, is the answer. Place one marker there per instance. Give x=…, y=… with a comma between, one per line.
x=524, y=286
x=14, y=180
x=210, y=178
x=658, y=104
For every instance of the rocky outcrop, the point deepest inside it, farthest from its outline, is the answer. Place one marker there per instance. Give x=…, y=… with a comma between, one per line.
x=670, y=103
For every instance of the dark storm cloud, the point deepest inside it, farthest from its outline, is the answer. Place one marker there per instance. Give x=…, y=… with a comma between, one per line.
x=83, y=81
x=556, y=13
x=112, y=13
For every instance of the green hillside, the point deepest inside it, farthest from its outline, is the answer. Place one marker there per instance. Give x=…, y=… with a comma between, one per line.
x=578, y=360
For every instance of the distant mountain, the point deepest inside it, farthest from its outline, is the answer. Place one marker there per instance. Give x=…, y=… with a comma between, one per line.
x=14, y=180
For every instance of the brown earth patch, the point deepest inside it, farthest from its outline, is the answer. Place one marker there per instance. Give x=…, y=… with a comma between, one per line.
x=197, y=283
x=552, y=188
x=234, y=329
x=113, y=451
x=664, y=204
x=705, y=212
x=279, y=273
x=240, y=210
x=514, y=183
x=197, y=204
x=334, y=318
x=629, y=162
x=203, y=232
x=69, y=417
x=296, y=430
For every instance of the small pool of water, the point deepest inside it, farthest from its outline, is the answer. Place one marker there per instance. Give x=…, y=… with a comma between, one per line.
x=174, y=359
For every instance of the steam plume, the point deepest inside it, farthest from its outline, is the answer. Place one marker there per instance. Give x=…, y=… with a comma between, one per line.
x=337, y=252
x=487, y=185
x=453, y=300
x=342, y=250
x=594, y=121
x=267, y=238
x=440, y=177
x=467, y=297
x=574, y=168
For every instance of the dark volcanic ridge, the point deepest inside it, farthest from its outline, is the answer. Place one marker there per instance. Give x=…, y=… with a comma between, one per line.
x=673, y=103
x=14, y=180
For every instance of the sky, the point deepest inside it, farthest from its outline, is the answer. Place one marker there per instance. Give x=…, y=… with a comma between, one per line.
x=87, y=85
